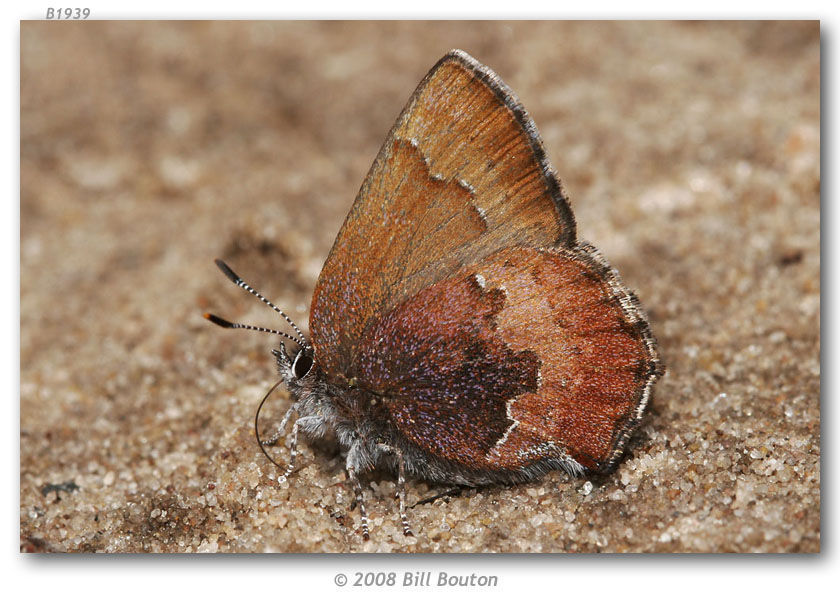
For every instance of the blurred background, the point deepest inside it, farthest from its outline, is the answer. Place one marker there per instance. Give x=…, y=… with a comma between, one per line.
x=690, y=152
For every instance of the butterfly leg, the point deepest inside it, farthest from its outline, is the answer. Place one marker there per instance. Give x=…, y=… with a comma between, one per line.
x=357, y=488
x=279, y=433
x=451, y=493
x=400, y=491
x=293, y=450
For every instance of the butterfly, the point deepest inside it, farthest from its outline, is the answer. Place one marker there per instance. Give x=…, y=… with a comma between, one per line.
x=460, y=333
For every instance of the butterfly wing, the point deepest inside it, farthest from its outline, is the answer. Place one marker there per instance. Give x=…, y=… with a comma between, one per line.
x=525, y=357
x=462, y=173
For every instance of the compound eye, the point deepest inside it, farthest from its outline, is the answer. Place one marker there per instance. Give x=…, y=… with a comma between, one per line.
x=302, y=364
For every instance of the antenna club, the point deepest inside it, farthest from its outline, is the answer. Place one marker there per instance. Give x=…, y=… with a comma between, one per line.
x=219, y=321
x=228, y=271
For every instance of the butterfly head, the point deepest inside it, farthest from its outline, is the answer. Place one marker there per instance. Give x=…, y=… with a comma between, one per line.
x=296, y=366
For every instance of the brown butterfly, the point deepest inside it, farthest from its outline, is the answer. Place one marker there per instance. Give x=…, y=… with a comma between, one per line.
x=460, y=333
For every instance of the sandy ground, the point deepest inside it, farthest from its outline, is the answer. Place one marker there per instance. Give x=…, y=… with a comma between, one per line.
x=691, y=152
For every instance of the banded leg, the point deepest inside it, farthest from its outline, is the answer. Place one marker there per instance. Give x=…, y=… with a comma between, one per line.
x=451, y=493
x=293, y=451
x=357, y=488
x=399, y=494
x=279, y=433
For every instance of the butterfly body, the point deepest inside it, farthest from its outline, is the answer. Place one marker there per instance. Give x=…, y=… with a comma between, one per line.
x=460, y=333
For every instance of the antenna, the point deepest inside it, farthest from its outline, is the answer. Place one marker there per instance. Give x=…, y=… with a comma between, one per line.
x=229, y=325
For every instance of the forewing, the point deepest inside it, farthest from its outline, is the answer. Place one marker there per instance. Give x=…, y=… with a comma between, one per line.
x=526, y=356
x=462, y=173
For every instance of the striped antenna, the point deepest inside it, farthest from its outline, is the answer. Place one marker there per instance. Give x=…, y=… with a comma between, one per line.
x=241, y=283
x=228, y=325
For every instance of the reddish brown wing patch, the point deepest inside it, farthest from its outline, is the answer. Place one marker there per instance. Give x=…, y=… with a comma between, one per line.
x=443, y=376
x=598, y=358
x=526, y=356
x=462, y=173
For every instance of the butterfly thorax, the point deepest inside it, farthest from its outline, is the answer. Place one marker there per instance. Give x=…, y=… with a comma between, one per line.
x=356, y=416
